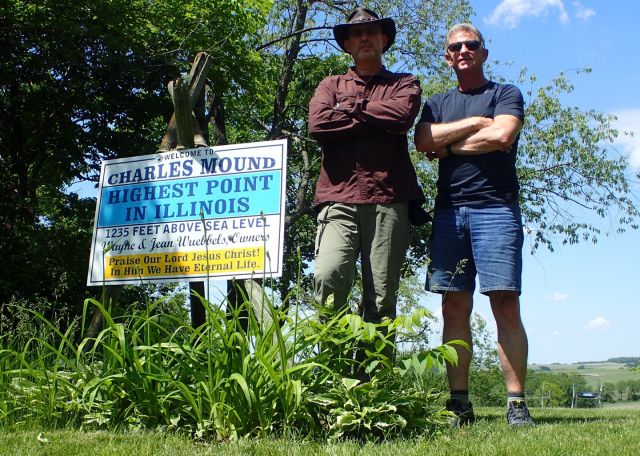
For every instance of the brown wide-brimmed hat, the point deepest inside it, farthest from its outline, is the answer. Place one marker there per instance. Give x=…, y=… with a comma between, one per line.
x=363, y=15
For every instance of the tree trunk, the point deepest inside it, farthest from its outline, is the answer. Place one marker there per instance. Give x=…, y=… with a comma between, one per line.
x=179, y=90
x=290, y=59
x=197, y=79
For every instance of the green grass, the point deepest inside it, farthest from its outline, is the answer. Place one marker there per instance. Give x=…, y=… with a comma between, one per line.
x=559, y=432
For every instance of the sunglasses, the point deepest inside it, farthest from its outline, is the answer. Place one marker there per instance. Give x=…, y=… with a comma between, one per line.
x=471, y=45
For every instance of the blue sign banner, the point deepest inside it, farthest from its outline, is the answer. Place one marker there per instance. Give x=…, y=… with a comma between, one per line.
x=245, y=194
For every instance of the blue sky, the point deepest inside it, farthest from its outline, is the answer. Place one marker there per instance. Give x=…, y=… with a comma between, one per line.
x=579, y=303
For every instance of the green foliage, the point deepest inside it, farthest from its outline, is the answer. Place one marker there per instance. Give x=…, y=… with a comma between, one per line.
x=81, y=81
x=630, y=360
x=485, y=352
x=486, y=387
x=623, y=390
x=554, y=389
x=381, y=408
x=25, y=323
x=608, y=392
x=567, y=169
x=147, y=370
x=47, y=261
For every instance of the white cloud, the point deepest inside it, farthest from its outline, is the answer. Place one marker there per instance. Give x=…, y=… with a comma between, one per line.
x=582, y=12
x=558, y=296
x=598, y=324
x=629, y=121
x=509, y=12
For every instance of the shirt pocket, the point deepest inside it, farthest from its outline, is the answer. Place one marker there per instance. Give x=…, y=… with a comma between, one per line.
x=345, y=99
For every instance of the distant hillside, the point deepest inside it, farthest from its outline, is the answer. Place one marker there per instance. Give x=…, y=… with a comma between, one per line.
x=609, y=371
x=630, y=360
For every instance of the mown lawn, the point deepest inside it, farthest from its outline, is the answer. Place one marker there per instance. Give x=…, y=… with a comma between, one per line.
x=559, y=432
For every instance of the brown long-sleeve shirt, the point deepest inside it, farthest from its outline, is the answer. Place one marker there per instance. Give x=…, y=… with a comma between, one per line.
x=362, y=126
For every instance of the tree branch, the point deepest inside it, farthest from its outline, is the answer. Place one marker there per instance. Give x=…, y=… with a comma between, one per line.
x=290, y=35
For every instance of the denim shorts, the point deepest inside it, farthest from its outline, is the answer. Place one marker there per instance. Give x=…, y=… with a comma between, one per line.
x=468, y=241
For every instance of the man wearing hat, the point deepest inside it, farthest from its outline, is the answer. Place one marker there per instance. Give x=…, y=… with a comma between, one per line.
x=366, y=181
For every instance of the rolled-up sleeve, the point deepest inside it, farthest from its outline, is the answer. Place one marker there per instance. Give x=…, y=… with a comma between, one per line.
x=398, y=112
x=331, y=122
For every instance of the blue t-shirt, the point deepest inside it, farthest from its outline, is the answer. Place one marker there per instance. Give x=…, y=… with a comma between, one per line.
x=476, y=180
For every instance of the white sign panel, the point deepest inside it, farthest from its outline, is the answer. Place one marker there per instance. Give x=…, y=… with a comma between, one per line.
x=186, y=215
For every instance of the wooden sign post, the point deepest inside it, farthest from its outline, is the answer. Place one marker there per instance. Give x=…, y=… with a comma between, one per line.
x=184, y=132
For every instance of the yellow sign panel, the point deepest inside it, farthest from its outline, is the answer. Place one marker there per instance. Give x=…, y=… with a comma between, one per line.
x=197, y=263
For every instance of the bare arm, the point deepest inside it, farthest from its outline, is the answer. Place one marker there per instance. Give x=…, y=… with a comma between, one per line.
x=500, y=135
x=433, y=136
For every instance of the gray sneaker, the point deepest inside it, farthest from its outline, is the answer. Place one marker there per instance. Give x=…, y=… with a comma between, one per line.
x=463, y=411
x=518, y=414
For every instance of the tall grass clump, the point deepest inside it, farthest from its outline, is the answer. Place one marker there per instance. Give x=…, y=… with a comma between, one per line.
x=291, y=374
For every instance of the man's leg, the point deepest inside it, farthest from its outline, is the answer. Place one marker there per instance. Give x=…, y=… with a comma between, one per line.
x=512, y=339
x=456, y=312
x=452, y=272
x=497, y=247
x=385, y=238
x=337, y=248
x=512, y=350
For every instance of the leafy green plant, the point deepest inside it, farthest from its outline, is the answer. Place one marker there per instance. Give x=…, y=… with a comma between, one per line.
x=293, y=376
x=378, y=409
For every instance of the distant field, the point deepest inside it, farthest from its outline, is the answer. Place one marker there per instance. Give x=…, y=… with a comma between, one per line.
x=623, y=405
x=608, y=371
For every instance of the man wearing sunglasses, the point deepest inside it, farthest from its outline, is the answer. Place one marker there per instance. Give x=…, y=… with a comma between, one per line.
x=472, y=130
x=366, y=180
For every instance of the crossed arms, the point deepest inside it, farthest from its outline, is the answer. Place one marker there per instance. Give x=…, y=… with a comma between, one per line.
x=355, y=117
x=470, y=136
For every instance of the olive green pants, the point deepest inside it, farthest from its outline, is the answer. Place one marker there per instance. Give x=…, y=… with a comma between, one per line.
x=379, y=235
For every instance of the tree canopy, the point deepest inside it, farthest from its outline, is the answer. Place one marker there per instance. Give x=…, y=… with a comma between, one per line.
x=82, y=81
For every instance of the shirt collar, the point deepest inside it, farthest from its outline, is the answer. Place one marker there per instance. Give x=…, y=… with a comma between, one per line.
x=384, y=73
